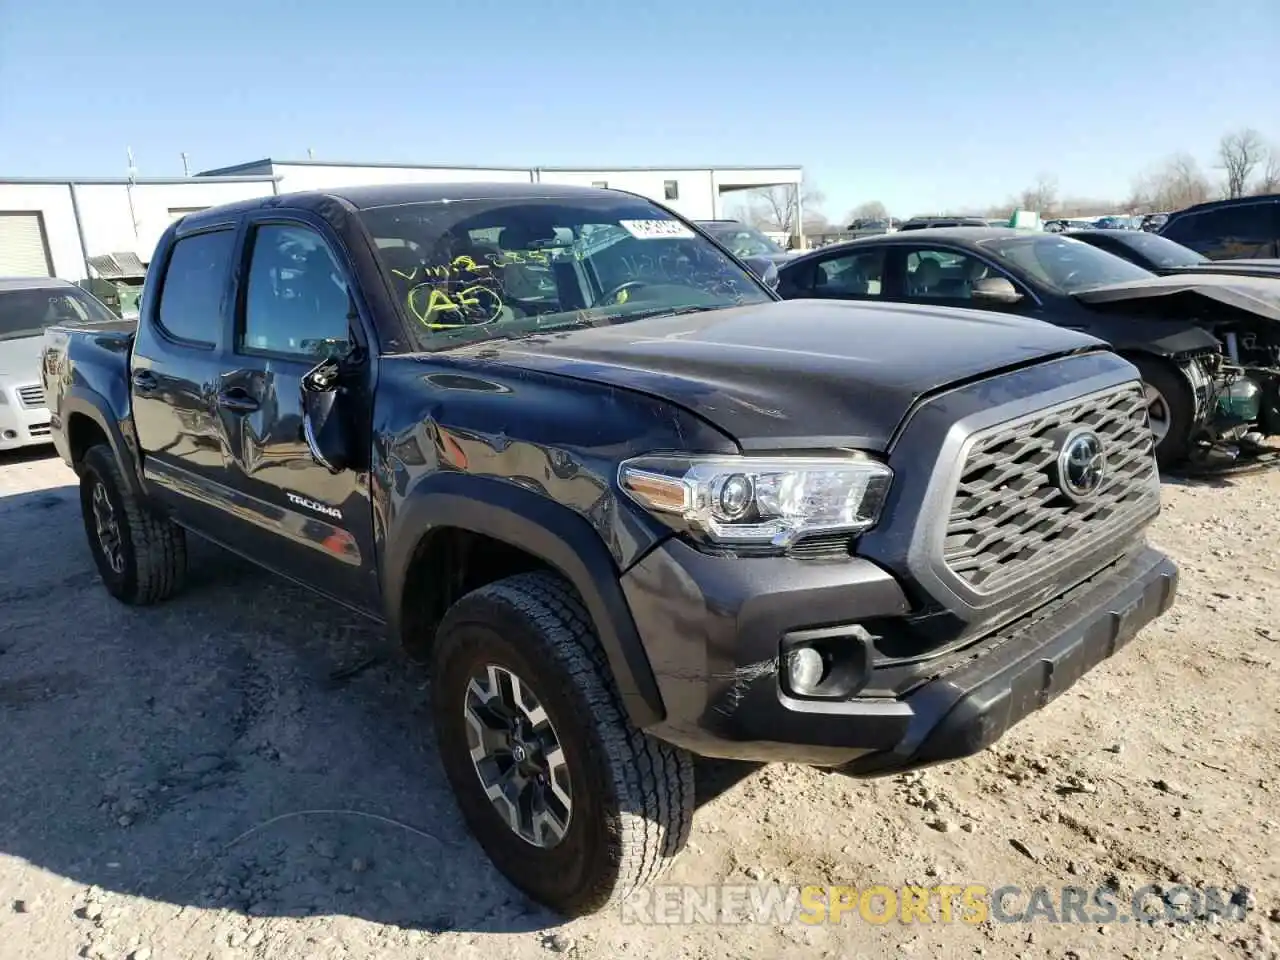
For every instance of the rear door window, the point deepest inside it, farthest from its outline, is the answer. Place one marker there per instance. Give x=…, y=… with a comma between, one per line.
x=195, y=283
x=855, y=274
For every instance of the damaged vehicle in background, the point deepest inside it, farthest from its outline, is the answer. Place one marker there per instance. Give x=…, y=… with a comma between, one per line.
x=1206, y=345
x=1163, y=256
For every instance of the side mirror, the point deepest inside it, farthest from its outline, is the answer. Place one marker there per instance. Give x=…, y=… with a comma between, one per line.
x=323, y=424
x=765, y=269
x=994, y=290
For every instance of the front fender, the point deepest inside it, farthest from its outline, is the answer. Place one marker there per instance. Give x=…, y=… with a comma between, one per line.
x=564, y=540
x=1161, y=338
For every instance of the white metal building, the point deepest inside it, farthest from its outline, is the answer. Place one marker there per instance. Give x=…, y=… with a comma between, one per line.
x=52, y=227
x=55, y=227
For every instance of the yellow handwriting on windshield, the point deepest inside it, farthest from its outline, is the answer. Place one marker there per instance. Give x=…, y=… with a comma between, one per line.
x=439, y=308
x=442, y=271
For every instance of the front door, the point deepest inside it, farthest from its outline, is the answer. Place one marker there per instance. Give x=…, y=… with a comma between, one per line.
x=294, y=310
x=945, y=276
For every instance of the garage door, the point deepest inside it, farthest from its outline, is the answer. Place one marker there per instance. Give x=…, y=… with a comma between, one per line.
x=23, y=251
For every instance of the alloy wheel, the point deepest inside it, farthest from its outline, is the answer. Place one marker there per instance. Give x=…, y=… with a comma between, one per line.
x=107, y=529
x=517, y=755
x=1157, y=412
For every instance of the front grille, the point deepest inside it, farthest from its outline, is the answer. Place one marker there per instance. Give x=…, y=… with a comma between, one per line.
x=1010, y=518
x=32, y=396
x=38, y=429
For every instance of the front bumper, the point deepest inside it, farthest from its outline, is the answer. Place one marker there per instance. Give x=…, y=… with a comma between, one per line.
x=713, y=627
x=21, y=424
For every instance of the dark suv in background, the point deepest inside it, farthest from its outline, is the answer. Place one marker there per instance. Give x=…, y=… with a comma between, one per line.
x=1247, y=227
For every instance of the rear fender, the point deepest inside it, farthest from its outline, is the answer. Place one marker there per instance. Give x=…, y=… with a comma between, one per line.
x=83, y=401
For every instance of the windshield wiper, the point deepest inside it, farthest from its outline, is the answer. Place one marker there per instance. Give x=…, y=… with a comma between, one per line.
x=668, y=312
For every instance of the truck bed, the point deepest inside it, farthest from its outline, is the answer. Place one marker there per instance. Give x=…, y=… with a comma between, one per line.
x=85, y=365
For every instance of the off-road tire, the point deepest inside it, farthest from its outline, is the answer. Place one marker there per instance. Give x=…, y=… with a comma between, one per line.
x=632, y=794
x=1174, y=449
x=154, y=548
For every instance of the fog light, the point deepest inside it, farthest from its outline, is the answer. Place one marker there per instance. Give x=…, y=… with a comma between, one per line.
x=805, y=670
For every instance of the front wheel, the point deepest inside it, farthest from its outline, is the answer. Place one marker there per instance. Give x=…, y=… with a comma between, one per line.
x=572, y=803
x=1170, y=409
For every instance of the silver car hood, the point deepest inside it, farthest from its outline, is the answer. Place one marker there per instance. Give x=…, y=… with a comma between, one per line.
x=20, y=359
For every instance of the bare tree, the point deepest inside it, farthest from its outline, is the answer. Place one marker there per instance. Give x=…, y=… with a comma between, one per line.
x=1269, y=179
x=1088, y=207
x=1042, y=198
x=1178, y=183
x=871, y=210
x=774, y=208
x=1238, y=154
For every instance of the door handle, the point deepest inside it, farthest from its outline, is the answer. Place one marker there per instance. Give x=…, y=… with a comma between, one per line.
x=238, y=400
x=144, y=381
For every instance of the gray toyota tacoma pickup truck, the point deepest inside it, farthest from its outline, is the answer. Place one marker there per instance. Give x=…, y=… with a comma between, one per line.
x=631, y=505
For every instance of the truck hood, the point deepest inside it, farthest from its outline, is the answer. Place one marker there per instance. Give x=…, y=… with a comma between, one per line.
x=795, y=374
x=1259, y=296
x=20, y=358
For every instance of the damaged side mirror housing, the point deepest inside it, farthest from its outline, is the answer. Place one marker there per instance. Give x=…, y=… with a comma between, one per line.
x=324, y=426
x=994, y=290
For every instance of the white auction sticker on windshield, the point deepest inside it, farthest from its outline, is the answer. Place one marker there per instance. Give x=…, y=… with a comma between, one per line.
x=655, y=229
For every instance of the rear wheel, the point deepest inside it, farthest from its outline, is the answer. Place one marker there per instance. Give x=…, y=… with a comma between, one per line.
x=571, y=802
x=141, y=556
x=1170, y=409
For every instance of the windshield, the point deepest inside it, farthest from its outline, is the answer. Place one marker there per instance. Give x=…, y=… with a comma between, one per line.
x=1063, y=264
x=743, y=241
x=25, y=313
x=477, y=270
x=1162, y=251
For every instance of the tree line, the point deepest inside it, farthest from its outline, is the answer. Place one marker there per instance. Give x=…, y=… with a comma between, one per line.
x=1244, y=164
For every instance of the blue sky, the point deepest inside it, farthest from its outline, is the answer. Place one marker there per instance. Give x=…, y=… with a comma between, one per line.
x=923, y=105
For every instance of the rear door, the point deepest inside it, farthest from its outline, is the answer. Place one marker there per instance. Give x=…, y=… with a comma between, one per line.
x=175, y=369
x=293, y=308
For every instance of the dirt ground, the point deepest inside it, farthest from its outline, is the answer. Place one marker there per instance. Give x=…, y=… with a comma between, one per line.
x=227, y=776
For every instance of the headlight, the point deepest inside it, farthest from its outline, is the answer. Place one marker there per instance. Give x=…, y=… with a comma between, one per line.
x=760, y=501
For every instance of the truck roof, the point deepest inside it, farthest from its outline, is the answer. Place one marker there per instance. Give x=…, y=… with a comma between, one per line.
x=387, y=195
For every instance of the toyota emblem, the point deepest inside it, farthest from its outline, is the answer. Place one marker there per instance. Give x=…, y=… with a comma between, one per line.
x=1082, y=464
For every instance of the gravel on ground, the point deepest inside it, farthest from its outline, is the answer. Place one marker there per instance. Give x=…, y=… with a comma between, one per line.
x=243, y=772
